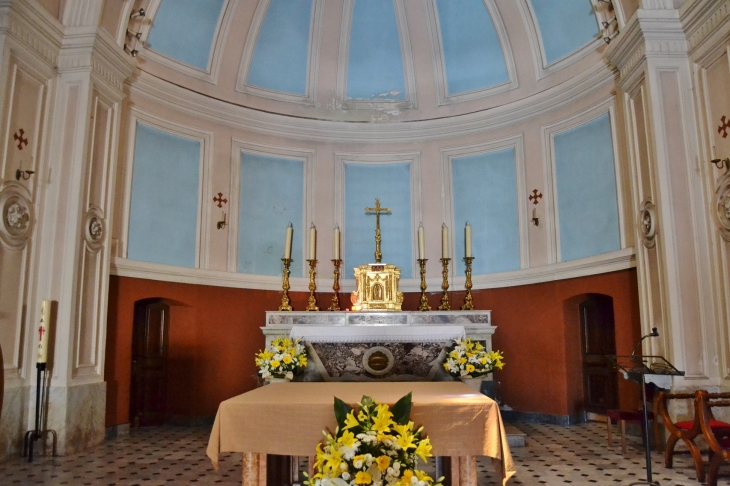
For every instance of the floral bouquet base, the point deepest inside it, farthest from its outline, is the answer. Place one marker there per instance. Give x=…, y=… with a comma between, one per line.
x=469, y=359
x=376, y=446
x=281, y=359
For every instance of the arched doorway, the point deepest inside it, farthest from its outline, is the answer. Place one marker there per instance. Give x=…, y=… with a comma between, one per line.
x=150, y=336
x=598, y=339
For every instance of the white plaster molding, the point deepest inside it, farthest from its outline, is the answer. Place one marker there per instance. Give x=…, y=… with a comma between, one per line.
x=123, y=22
x=82, y=13
x=704, y=19
x=515, y=142
x=110, y=66
x=309, y=98
x=409, y=77
x=413, y=159
x=437, y=51
x=650, y=34
x=306, y=157
x=551, y=189
x=595, y=265
x=210, y=74
x=657, y=4
x=542, y=68
x=33, y=28
x=206, y=143
x=599, y=77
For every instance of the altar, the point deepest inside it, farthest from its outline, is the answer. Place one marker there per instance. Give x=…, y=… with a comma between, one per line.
x=378, y=346
x=288, y=419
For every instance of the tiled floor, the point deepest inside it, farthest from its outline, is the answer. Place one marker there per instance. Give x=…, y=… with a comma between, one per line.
x=554, y=455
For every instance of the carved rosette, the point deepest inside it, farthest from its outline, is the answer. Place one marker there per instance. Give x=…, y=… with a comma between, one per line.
x=16, y=218
x=722, y=206
x=94, y=228
x=648, y=223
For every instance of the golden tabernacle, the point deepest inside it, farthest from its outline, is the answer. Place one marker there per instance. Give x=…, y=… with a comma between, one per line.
x=377, y=288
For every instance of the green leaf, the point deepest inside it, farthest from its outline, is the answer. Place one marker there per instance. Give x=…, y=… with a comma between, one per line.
x=341, y=411
x=402, y=409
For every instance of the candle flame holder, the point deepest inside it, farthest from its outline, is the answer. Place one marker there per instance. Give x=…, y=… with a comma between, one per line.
x=336, y=286
x=285, y=302
x=312, y=301
x=423, y=306
x=468, y=303
x=445, y=285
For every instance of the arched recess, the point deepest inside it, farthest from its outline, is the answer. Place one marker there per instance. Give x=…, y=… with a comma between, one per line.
x=628, y=393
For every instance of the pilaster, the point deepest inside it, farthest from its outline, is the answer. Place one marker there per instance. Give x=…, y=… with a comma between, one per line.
x=668, y=194
x=74, y=139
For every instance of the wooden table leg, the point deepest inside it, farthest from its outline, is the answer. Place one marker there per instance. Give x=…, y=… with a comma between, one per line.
x=467, y=471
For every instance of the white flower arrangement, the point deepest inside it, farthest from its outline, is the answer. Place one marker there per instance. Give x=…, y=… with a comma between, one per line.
x=469, y=359
x=281, y=358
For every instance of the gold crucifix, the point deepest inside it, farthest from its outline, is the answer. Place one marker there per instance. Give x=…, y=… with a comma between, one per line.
x=377, y=210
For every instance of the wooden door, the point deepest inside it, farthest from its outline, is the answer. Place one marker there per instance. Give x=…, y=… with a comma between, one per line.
x=147, y=405
x=600, y=381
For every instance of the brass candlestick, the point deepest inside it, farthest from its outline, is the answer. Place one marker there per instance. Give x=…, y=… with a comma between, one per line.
x=312, y=301
x=468, y=303
x=423, y=306
x=285, y=302
x=336, y=286
x=445, y=285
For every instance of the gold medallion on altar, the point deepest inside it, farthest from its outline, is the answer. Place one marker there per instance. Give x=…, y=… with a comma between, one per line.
x=377, y=283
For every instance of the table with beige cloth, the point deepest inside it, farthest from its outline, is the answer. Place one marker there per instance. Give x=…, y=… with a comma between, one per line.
x=288, y=419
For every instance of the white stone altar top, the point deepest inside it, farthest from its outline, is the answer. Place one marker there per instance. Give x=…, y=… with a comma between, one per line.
x=477, y=324
x=377, y=334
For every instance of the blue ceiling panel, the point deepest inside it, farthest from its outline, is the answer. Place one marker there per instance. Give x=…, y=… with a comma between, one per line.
x=473, y=55
x=375, y=62
x=185, y=30
x=281, y=56
x=565, y=26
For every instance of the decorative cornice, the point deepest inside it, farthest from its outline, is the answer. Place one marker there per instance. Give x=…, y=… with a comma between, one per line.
x=649, y=34
x=189, y=102
x=110, y=63
x=608, y=262
x=29, y=25
x=701, y=19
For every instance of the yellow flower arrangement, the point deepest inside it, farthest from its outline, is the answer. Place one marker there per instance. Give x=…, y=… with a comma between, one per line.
x=281, y=358
x=469, y=359
x=376, y=446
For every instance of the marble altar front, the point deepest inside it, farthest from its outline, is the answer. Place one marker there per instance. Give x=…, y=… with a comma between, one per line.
x=378, y=346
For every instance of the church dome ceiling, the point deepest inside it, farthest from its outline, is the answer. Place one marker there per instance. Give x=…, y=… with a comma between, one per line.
x=370, y=60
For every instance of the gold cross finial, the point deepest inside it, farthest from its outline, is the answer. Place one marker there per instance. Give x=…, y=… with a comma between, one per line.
x=377, y=210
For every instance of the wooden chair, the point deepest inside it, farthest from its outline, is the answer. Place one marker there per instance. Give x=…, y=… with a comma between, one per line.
x=717, y=439
x=621, y=417
x=687, y=430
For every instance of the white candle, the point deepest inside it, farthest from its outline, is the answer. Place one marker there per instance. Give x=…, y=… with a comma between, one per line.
x=444, y=241
x=43, y=331
x=312, y=242
x=467, y=240
x=337, y=242
x=421, y=243
x=287, y=242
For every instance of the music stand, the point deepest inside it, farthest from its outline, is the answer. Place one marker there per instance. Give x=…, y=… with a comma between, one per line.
x=636, y=368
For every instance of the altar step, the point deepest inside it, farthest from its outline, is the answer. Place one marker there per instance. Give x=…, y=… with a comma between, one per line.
x=515, y=437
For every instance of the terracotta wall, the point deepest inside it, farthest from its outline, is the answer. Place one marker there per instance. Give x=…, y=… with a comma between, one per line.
x=214, y=333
